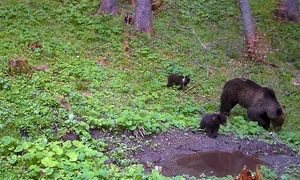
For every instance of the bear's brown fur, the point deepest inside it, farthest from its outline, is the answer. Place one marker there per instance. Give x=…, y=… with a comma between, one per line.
x=261, y=103
x=211, y=123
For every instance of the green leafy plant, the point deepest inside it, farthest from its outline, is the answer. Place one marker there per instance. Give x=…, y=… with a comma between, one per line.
x=267, y=173
x=243, y=128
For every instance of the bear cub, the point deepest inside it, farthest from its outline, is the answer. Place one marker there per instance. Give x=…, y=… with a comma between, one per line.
x=178, y=80
x=261, y=103
x=211, y=123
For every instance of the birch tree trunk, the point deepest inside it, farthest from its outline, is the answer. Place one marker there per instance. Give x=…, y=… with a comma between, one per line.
x=248, y=25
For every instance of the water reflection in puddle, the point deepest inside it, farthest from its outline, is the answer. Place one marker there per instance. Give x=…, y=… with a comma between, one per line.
x=217, y=163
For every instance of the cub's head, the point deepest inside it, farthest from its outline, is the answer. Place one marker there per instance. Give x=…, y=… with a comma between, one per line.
x=221, y=119
x=185, y=80
x=279, y=120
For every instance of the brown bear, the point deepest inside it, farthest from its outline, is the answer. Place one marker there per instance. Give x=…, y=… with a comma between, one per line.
x=178, y=80
x=260, y=102
x=211, y=123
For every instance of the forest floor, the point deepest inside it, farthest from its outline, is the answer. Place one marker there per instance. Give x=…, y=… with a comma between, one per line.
x=178, y=152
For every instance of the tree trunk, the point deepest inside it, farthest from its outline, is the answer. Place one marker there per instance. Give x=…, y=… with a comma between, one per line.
x=287, y=10
x=107, y=7
x=132, y=2
x=143, y=16
x=248, y=26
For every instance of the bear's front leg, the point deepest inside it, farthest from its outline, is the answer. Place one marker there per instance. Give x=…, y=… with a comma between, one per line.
x=209, y=131
x=215, y=132
x=255, y=115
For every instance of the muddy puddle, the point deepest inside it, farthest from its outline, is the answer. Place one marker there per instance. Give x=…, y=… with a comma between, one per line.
x=213, y=163
x=179, y=152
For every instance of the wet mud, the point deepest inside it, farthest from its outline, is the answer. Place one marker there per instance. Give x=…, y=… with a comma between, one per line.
x=194, y=153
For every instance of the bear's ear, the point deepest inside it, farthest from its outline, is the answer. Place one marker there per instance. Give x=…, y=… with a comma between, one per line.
x=283, y=107
x=270, y=92
x=219, y=117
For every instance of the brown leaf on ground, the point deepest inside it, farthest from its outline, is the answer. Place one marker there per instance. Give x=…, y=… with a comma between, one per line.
x=63, y=102
x=34, y=45
x=18, y=66
x=246, y=174
x=258, y=175
x=102, y=62
x=43, y=67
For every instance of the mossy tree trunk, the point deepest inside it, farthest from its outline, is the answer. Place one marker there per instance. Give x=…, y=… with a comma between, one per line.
x=143, y=16
x=249, y=27
x=288, y=10
x=107, y=7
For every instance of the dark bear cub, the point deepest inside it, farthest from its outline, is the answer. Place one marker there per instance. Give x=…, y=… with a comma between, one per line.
x=178, y=80
x=261, y=103
x=211, y=123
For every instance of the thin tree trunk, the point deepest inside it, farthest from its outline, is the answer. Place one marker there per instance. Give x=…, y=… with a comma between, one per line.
x=107, y=7
x=288, y=11
x=132, y=2
x=248, y=26
x=143, y=16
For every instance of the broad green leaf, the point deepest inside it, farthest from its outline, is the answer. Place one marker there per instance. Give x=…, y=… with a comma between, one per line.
x=6, y=140
x=72, y=155
x=49, y=171
x=67, y=144
x=71, y=116
x=103, y=173
x=128, y=123
x=28, y=156
x=13, y=159
x=19, y=149
x=77, y=144
x=57, y=150
x=48, y=162
x=132, y=128
x=27, y=145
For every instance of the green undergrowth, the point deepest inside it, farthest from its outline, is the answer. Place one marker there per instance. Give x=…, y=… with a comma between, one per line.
x=91, y=83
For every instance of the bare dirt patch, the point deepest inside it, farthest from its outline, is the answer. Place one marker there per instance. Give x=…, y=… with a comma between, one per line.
x=176, y=143
x=165, y=148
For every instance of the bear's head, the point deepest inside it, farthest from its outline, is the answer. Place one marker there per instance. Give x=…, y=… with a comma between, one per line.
x=279, y=120
x=221, y=119
x=186, y=80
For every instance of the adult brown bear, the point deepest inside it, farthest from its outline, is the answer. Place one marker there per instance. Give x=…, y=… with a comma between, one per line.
x=261, y=103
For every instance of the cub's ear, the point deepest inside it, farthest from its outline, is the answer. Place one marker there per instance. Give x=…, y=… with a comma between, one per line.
x=283, y=107
x=219, y=116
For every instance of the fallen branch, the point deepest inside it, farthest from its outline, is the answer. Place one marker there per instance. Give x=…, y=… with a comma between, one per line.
x=273, y=136
x=205, y=50
x=193, y=31
x=199, y=82
x=268, y=63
